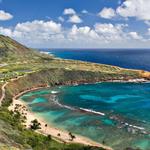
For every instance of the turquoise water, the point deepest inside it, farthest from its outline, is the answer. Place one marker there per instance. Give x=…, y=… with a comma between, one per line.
x=116, y=113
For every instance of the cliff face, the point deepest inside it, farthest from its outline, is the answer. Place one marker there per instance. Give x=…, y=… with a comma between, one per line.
x=54, y=77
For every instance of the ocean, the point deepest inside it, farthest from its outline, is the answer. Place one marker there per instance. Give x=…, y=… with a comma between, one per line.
x=117, y=114
x=127, y=58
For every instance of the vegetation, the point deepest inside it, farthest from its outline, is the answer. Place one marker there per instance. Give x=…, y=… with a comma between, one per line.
x=14, y=135
x=71, y=136
x=57, y=76
x=41, y=70
x=15, y=61
x=35, y=125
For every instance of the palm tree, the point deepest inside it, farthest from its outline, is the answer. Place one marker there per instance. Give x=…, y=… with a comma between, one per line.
x=71, y=136
x=49, y=137
x=45, y=127
x=35, y=125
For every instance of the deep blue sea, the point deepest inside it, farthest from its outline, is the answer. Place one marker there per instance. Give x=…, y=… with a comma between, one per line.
x=127, y=58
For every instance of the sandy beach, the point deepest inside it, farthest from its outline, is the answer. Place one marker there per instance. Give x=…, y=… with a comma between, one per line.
x=50, y=130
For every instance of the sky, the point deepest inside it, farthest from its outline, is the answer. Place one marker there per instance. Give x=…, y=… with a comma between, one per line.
x=77, y=23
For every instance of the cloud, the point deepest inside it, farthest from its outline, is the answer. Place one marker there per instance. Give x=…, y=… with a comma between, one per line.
x=5, y=15
x=135, y=36
x=107, y=13
x=39, y=33
x=35, y=32
x=111, y=32
x=84, y=32
x=148, y=31
x=69, y=11
x=135, y=8
x=75, y=19
x=38, y=25
x=61, y=19
x=147, y=22
x=84, y=11
x=6, y=31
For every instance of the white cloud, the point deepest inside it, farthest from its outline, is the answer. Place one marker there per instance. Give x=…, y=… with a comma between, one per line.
x=148, y=31
x=107, y=13
x=85, y=11
x=6, y=31
x=38, y=25
x=82, y=33
x=40, y=33
x=135, y=36
x=147, y=22
x=69, y=11
x=61, y=19
x=82, y=37
x=5, y=15
x=75, y=19
x=135, y=8
x=36, y=32
x=111, y=32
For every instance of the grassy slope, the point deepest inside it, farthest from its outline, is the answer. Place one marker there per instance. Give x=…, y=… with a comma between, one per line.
x=40, y=69
x=55, y=76
x=13, y=135
x=13, y=52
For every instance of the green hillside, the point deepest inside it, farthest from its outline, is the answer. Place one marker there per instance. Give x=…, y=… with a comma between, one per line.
x=23, y=68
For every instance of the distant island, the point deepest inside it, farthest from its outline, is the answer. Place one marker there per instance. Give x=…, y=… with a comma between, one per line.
x=22, y=70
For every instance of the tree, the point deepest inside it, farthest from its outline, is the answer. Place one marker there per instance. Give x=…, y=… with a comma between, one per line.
x=71, y=136
x=35, y=125
x=45, y=127
x=49, y=137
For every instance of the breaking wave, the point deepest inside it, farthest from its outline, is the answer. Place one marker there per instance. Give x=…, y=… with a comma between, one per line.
x=54, y=92
x=92, y=111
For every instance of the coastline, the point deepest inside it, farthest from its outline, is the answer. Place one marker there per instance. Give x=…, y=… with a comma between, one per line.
x=50, y=129
x=44, y=70
x=64, y=135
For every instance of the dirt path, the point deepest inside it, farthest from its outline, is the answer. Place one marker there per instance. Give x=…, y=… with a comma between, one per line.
x=4, y=86
x=3, y=93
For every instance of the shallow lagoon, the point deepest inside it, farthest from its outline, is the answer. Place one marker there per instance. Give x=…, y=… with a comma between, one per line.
x=117, y=114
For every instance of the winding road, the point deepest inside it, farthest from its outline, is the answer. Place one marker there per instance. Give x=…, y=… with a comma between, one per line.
x=3, y=93
x=4, y=86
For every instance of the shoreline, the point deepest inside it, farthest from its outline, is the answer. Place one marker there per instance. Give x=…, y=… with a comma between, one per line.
x=50, y=129
x=57, y=57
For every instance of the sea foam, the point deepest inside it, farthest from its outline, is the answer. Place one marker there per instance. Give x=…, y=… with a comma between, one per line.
x=92, y=111
x=54, y=92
